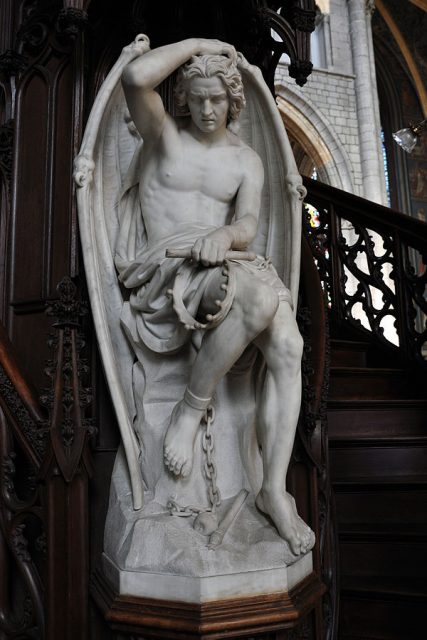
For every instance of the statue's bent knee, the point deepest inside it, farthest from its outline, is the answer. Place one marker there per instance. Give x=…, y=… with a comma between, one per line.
x=289, y=346
x=259, y=304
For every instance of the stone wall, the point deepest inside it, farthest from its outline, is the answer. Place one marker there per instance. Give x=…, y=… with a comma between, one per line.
x=328, y=102
x=332, y=116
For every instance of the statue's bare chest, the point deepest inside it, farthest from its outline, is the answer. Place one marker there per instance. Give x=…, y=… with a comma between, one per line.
x=212, y=172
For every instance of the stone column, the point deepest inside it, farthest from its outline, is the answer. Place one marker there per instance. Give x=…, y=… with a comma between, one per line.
x=367, y=100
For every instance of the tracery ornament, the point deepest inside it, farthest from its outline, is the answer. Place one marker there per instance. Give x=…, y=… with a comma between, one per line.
x=372, y=275
x=34, y=433
x=303, y=20
x=20, y=517
x=12, y=62
x=300, y=70
x=67, y=398
x=6, y=149
x=71, y=21
x=42, y=23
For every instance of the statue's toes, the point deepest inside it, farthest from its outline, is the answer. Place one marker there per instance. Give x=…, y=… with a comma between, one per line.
x=172, y=462
x=178, y=466
x=186, y=469
x=304, y=545
x=169, y=462
x=295, y=544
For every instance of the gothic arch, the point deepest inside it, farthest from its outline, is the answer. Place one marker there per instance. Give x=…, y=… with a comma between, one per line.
x=316, y=136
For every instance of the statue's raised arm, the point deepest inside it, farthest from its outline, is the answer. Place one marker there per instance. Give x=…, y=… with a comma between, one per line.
x=141, y=77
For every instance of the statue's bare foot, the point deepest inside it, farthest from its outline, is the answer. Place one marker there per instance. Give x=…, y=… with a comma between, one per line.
x=305, y=533
x=179, y=440
x=280, y=507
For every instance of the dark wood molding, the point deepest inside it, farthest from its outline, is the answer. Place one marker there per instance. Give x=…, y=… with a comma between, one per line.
x=231, y=618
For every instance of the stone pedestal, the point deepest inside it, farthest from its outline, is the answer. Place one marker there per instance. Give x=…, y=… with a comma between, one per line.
x=163, y=581
x=285, y=612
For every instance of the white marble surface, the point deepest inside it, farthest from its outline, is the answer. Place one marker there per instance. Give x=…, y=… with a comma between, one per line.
x=148, y=370
x=199, y=589
x=154, y=554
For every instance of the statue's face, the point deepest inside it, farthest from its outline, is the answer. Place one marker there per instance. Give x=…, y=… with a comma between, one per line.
x=208, y=103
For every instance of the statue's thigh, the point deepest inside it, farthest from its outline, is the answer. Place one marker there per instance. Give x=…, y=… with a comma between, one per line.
x=255, y=297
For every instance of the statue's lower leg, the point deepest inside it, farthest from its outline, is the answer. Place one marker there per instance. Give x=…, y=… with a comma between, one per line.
x=179, y=440
x=278, y=414
x=220, y=349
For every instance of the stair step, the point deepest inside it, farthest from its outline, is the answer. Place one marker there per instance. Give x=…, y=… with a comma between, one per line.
x=383, y=440
x=382, y=507
x=362, y=383
x=346, y=353
x=384, y=533
x=377, y=418
x=377, y=610
x=374, y=587
x=378, y=460
x=389, y=559
x=370, y=483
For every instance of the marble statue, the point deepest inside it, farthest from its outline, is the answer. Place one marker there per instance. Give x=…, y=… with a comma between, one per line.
x=177, y=220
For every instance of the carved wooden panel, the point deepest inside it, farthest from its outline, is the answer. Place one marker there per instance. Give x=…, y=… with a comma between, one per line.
x=28, y=239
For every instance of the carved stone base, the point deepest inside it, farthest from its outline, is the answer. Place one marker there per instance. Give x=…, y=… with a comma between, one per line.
x=140, y=618
x=200, y=589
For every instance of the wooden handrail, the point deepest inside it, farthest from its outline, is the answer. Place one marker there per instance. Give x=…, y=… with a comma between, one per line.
x=19, y=401
x=411, y=230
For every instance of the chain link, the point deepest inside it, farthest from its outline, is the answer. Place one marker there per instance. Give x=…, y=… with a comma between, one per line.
x=209, y=466
x=182, y=512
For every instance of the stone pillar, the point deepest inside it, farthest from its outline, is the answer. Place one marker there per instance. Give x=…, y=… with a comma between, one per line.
x=367, y=100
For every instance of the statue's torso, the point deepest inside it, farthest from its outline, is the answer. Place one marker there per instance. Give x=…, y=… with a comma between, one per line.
x=189, y=184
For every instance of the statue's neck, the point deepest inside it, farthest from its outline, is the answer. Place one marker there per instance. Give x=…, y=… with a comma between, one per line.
x=209, y=138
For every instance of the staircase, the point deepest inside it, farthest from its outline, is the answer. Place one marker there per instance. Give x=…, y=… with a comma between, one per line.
x=376, y=407
x=377, y=417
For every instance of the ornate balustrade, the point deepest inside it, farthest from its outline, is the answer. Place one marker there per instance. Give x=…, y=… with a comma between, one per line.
x=372, y=264
x=22, y=445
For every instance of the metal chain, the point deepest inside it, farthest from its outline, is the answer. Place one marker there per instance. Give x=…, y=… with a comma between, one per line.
x=182, y=512
x=209, y=466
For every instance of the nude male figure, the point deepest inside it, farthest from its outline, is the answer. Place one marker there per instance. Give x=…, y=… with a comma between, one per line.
x=203, y=173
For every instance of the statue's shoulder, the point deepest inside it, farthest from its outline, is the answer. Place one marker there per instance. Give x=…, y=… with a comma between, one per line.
x=243, y=149
x=249, y=160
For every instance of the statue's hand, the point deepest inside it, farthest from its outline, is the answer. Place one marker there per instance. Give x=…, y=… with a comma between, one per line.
x=211, y=249
x=216, y=47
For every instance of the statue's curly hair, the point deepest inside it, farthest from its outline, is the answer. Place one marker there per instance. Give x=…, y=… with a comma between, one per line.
x=207, y=66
